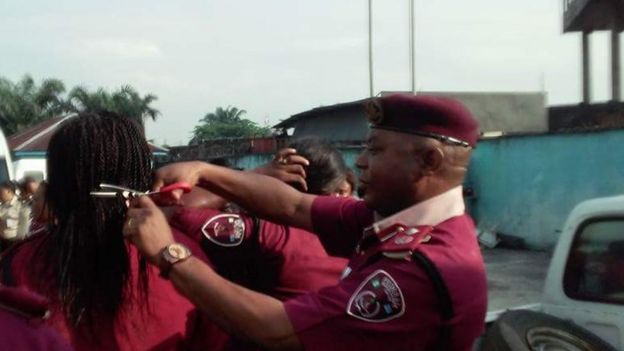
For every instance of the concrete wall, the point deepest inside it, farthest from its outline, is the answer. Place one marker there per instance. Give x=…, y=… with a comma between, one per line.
x=342, y=124
x=507, y=112
x=526, y=186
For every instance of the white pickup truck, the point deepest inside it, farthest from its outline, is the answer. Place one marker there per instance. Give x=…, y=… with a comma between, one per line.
x=582, y=306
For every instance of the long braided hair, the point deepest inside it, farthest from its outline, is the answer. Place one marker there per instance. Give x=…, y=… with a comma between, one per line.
x=85, y=253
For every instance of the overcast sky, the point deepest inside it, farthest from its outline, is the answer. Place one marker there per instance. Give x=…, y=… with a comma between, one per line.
x=276, y=58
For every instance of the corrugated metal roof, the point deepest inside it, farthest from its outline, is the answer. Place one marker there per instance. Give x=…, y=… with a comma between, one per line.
x=37, y=137
x=289, y=122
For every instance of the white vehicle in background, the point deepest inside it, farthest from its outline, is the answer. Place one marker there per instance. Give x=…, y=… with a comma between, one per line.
x=34, y=167
x=6, y=165
x=582, y=306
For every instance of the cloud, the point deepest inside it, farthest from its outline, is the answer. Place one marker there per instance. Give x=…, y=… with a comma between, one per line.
x=120, y=49
x=330, y=44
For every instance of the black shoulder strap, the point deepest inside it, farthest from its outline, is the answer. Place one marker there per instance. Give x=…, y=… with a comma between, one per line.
x=446, y=304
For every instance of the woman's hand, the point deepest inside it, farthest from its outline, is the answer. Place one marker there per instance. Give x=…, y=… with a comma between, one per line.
x=288, y=167
x=147, y=228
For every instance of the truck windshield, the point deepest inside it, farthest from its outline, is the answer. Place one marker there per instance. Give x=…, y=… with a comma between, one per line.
x=595, y=267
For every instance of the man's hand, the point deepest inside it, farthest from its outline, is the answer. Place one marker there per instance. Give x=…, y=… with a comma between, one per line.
x=288, y=167
x=187, y=172
x=146, y=227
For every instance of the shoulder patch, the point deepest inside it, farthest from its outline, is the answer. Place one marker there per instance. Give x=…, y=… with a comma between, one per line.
x=377, y=299
x=225, y=229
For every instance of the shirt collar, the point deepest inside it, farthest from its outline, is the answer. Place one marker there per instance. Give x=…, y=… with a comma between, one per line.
x=430, y=212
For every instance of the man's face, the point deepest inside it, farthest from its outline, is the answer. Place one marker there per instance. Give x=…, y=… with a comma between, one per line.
x=31, y=187
x=389, y=167
x=5, y=194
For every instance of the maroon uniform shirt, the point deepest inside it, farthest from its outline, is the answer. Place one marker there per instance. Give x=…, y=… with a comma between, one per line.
x=166, y=321
x=278, y=260
x=386, y=301
x=22, y=315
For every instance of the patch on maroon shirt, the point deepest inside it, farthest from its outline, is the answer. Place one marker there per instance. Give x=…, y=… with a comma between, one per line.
x=225, y=230
x=377, y=299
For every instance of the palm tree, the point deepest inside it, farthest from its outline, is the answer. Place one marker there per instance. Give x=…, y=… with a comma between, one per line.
x=128, y=102
x=24, y=103
x=125, y=101
x=226, y=123
x=228, y=115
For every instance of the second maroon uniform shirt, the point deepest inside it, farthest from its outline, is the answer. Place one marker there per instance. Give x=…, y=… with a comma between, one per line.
x=278, y=260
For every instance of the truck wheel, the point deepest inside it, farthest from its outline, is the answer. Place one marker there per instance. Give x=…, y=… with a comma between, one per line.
x=532, y=331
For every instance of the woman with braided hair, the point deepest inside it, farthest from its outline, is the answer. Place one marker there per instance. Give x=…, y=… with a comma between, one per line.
x=104, y=296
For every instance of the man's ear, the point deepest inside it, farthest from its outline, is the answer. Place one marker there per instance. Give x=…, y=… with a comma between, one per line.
x=432, y=160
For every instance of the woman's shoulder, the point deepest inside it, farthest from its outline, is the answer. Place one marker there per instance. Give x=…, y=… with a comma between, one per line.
x=18, y=261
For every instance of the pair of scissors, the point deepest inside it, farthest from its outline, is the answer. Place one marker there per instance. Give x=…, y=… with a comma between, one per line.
x=113, y=191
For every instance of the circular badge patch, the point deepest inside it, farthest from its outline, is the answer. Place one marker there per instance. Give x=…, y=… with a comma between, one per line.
x=377, y=299
x=225, y=230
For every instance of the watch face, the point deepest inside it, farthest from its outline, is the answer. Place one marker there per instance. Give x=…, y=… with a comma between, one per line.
x=177, y=251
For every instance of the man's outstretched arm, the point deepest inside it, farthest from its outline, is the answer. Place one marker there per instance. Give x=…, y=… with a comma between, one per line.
x=265, y=196
x=243, y=312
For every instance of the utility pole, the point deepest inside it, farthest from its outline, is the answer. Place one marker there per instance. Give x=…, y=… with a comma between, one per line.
x=370, y=47
x=615, y=64
x=411, y=47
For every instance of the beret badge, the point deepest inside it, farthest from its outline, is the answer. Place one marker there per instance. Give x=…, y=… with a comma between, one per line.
x=374, y=111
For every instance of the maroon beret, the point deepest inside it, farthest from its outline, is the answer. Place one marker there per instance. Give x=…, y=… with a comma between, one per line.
x=430, y=116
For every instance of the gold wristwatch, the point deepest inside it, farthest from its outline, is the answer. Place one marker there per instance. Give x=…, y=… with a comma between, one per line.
x=172, y=254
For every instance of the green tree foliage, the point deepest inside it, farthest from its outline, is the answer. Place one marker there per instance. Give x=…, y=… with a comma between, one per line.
x=226, y=123
x=23, y=104
x=125, y=101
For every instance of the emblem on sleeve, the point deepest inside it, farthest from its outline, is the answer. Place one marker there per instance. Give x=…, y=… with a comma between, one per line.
x=377, y=299
x=225, y=230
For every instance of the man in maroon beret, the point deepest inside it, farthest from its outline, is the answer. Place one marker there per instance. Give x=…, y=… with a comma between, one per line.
x=416, y=278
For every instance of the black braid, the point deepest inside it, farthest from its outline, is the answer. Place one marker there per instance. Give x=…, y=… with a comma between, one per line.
x=85, y=253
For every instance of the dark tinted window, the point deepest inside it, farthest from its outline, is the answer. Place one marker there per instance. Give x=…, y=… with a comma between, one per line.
x=595, y=268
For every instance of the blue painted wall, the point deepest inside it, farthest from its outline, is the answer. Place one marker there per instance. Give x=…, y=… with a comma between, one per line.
x=526, y=186
x=255, y=160
x=250, y=161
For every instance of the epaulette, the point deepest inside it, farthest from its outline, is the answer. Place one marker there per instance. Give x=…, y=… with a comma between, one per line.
x=23, y=302
x=399, y=241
